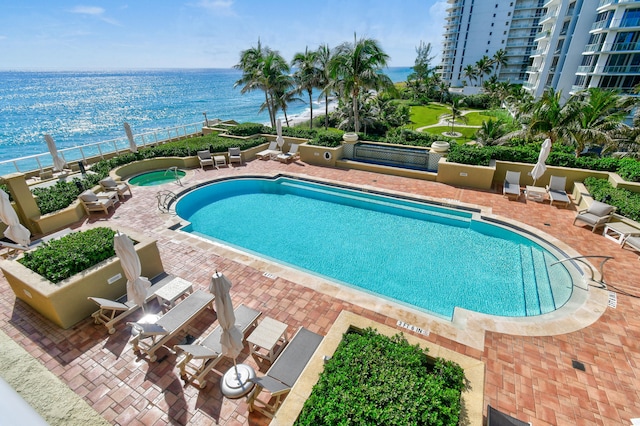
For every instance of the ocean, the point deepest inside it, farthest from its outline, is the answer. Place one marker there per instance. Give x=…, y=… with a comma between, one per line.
x=83, y=107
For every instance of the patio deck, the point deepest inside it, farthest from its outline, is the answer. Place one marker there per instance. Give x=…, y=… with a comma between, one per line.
x=529, y=377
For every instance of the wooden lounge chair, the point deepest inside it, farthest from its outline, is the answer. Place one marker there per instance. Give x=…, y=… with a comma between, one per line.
x=597, y=215
x=633, y=242
x=111, y=312
x=511, y=187
x=110, y=185
x=284, y=372
x=235, y=155
x=289, y=156
x=151, y=337
x=556, y=190
x=93, y=202
x=205, y=159
x=209, y=351
x=269, y=152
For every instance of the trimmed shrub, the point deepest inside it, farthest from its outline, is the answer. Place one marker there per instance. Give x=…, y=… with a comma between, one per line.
x=60, y=259
x=327, y=138
x=378, y=380
x=469, y=154
x=246, y=129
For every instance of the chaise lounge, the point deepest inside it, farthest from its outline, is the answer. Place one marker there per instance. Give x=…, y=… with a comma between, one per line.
x=633, y=242
x=205, y=159
x=209, y=350
x=149, y=337
x=597, y=215
x=111, y=312
x=121, y=188
x=284, y=372
x=287, y=157
x=93, y=202
x=511, y=187
x=557, y=192
x=271, y=151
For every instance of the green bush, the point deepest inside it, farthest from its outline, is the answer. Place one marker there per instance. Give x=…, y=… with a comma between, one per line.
x=327, y=138
x=629, y=169
x=378, y=380
x=246, y=129
x=469, y=154
x=411, y=137
x=627, y=203
x=60, y=259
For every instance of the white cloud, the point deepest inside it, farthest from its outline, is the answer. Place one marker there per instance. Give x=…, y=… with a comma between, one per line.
x=95, y=11
x=218, y=7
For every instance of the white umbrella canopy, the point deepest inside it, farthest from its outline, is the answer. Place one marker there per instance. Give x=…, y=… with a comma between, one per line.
x=540, y=167
x=132, y=143
x=231, y=338
x=15, y=230
x=137, y=286
x=279, y=138
x=58, y=162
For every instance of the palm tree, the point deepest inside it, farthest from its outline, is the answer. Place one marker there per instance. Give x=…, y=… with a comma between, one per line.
x=498, y=60
x=250, y=65
x=471, y=73
x=355, y=69
x=483, y=67
x=490, y=131
x=307, y=75
x=324, y=59
x=456, y=112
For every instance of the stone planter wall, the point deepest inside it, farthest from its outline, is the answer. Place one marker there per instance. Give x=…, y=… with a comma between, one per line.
x=65, y=303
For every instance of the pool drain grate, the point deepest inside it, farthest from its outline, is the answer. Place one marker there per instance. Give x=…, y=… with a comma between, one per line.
x=268, y=275
x=577, y=365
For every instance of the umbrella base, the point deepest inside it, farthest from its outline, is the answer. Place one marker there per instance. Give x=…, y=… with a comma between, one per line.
x=236, y=385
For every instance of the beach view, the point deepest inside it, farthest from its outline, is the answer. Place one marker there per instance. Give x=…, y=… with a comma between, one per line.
x=237, y=212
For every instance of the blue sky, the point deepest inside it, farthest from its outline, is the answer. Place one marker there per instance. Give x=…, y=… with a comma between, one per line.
x=138, y=34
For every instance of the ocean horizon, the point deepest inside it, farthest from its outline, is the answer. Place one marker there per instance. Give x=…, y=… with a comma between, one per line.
x=83, y=107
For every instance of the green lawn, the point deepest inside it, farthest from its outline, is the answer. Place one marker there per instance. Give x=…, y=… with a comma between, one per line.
x=467, y=132
x=426, y=115
x=476, y=118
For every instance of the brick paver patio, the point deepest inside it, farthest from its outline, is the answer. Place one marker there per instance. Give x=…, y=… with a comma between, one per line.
x=529, y=377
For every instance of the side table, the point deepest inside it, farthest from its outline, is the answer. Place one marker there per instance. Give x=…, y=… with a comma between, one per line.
x=264, y=340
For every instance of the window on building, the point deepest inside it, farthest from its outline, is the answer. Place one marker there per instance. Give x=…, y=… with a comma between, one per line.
x=494, y=15
x=631, y=18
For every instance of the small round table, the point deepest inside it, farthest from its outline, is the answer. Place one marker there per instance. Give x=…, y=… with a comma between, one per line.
x=236, y=382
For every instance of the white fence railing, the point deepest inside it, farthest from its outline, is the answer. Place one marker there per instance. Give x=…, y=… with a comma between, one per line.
x=98, y=149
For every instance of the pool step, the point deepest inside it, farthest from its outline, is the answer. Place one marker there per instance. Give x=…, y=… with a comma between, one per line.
x=538, y=297
x=393, y=206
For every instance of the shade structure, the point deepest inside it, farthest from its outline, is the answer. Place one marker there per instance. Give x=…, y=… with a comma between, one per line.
x=132, y=143
x=58, y=162
x=540, y=167
x=235, y=382
x=15, y=230
x=279, y=138
x=137, y=286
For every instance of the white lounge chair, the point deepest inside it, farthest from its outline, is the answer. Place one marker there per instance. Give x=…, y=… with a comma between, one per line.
x=556, y=190
x=149, y=337
x=511, y=187
x=205, y=159
x=284, y=372
x=111, y=312
x=271, y=151
x=93, y=202
x=235, y=155
x=13, y=248
x=289, y=156
x=597, y=215
x=108, y=184
x=209, y=351
x=633, y=242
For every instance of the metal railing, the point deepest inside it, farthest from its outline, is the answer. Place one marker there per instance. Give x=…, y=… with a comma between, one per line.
x=98, y=150
x=581, y=260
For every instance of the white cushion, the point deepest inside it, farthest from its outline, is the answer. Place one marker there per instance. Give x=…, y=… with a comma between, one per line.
x=600, y=209
x=88, y=196
x=108, y=182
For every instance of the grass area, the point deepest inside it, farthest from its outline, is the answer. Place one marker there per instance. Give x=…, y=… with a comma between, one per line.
x=467, y=132
x=426, y=115
x=477, y=118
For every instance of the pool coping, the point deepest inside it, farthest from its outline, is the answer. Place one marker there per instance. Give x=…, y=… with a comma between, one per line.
x=585, y=306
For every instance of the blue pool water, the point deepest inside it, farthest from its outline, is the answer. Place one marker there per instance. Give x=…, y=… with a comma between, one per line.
x=427, y=256
x=156, y=177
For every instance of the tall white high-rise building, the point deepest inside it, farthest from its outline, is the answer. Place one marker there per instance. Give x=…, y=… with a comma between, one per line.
x=477, y=28
x=588, y=43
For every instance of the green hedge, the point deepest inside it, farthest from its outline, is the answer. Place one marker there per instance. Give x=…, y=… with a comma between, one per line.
x=627, y=203
x=373, y=379
x=60, y=259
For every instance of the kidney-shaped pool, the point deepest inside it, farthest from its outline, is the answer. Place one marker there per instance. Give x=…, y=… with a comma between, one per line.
x=417, y=253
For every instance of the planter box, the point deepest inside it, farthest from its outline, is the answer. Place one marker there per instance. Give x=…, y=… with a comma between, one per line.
x=65, y=303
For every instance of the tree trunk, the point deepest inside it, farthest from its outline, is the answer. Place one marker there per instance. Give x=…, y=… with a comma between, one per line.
x=310, y=109
x=326, y=111
x=356, y=122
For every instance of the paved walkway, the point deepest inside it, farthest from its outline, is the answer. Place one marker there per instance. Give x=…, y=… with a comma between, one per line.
x=529, y=377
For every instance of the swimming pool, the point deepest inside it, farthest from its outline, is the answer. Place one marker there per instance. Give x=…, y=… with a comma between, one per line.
x=424, y=255
x=157, y=177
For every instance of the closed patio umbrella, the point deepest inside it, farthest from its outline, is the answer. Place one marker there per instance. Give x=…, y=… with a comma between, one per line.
x=15, y=230
x=235, y=382
x=137, y=286
x=540, y=167
x=58, y=162
x=279, y=138
x=132, y=143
